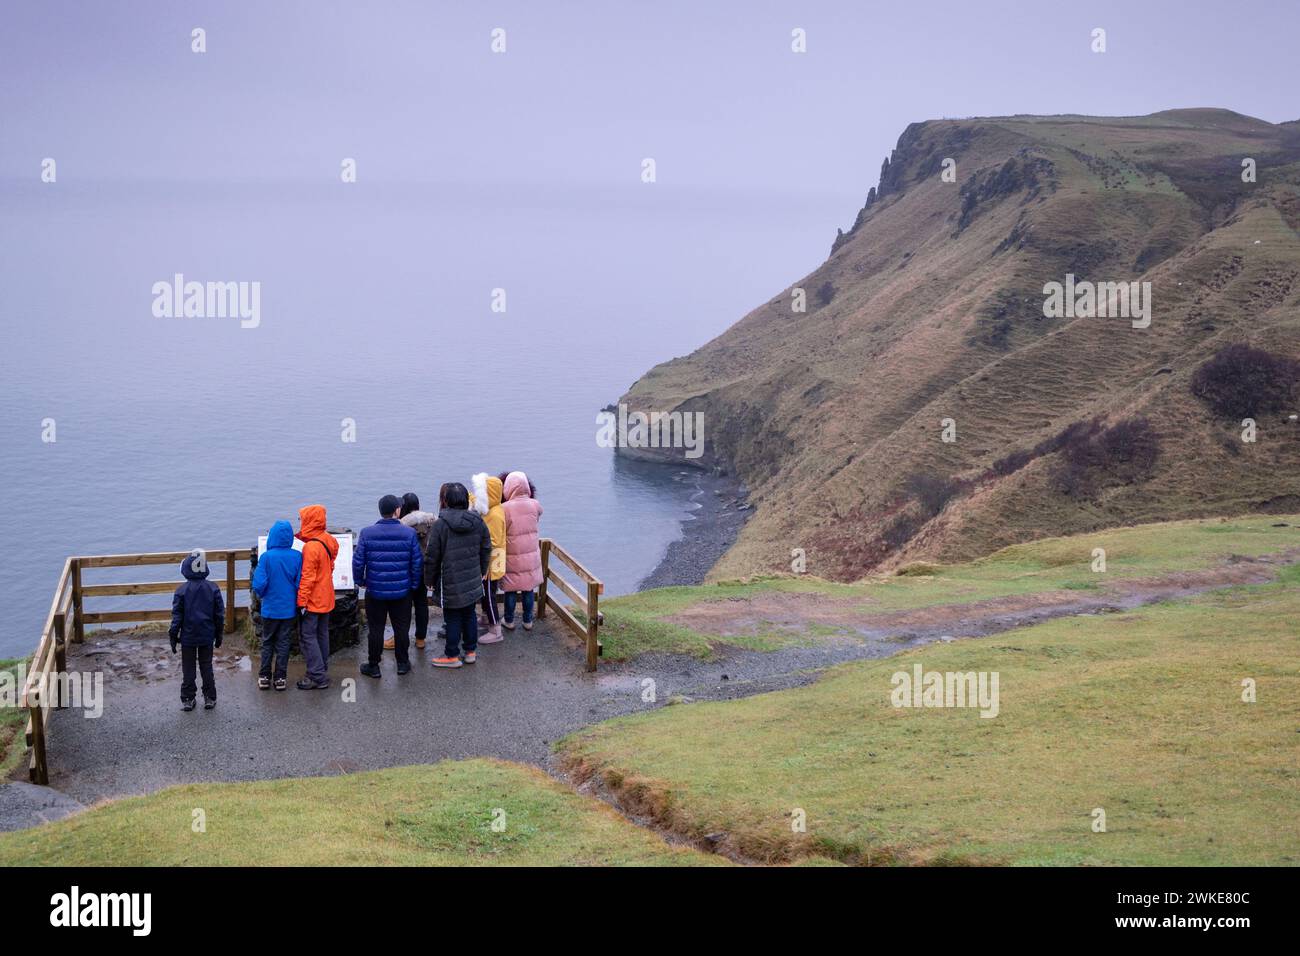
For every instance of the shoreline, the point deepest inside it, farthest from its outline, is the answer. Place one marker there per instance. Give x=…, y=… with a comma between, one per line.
x=708, y=531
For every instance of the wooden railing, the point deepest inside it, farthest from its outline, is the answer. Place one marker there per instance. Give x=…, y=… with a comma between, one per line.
x=68, y=617
x=588, y=603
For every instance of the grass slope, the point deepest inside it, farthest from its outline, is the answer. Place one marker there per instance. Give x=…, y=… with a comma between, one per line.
x=1139, y=714
x=643, y=622
x=410, y=816
x=13, y=720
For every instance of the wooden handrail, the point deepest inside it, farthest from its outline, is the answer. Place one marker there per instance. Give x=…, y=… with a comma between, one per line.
x=589, y=603
x=214, y=556
x=575, y=566
x=146, y=587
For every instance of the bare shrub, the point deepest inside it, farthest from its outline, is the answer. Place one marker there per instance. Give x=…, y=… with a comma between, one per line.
x=1243, y=382
x=1123, y=454
x=931, y=491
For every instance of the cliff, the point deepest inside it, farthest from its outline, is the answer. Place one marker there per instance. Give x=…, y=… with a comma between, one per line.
x=929, y=312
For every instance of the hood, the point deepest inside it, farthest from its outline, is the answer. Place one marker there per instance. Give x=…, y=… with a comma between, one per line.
x=311, y=520
x=459, y=520
x=280, y=535
x=187, y=568
x=516, y=486
x=487, y=492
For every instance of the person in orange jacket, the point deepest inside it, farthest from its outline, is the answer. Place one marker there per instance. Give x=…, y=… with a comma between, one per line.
x=315, y=595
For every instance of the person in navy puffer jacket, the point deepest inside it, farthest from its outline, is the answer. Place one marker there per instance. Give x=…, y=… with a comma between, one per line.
x=198, y=616
x=387, y=562
x=279, y=570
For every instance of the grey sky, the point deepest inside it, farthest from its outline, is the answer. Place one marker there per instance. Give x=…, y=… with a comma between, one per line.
x=586, y=89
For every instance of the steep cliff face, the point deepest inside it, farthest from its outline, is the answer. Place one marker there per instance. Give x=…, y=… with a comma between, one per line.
x=930, y=310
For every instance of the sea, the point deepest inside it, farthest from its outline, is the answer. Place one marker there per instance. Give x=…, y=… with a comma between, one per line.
x=406, y=334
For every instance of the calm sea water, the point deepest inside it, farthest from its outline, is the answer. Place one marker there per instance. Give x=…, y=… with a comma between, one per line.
x=375, y=307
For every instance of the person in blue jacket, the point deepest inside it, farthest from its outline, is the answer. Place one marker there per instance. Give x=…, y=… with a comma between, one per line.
x=387, y=562
x=276, y=582
x=198, y=616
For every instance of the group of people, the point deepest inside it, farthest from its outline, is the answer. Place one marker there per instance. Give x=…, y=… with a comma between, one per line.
x=479, y=544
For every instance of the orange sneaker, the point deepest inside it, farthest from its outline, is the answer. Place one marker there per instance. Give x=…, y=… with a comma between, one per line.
x=469, y=657
x=446, y=662
x=419, y=642
x=390, y=643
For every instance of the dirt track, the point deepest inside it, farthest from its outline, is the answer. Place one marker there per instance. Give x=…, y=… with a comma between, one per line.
x=798, y=611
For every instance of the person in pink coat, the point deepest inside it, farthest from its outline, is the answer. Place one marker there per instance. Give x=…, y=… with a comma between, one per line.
x=523, y=552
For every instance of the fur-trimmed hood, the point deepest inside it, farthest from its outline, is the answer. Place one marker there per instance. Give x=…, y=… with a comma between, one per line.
x=487, y=492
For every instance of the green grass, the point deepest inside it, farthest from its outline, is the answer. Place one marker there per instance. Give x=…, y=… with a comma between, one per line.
x=1139, y=714
x=12, y=721
x=435, y=815
x=638, y=623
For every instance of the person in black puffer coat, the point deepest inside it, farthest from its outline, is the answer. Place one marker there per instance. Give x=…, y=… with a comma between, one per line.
x=455, y=563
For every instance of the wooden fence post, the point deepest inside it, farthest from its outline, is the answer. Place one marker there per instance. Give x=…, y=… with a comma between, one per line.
x=546, y=569
x=230, y=593
x=39, y=771
x=60, y=657
x=593, y=622
x=78, y=624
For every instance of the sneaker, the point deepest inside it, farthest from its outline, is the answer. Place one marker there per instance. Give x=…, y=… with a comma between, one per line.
x=528, y=625
x=371, y=670
x=209, y=704
x=187, y=705
x=306, y=684
x=419, y=643
x=442, y=632
x=403, y=669
x=445, y=662
x=264, y=683
x=491, y=637
x=390, y=643
x=508, y=625
x=469, y=657
x=281, y=683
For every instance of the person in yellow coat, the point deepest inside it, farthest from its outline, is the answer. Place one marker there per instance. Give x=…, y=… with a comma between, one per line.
x=486, y=500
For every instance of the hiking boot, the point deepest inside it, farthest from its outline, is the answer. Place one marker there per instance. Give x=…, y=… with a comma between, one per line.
x=209, y=704
x=446, y=662
x=419, y=643
x=491, y=637
x=281, y=683
x=264, y=683
x=390, y=643
x=403, y=670
x=469, y=657
x=371, y=670
x=187, y=705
